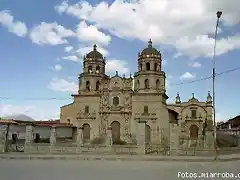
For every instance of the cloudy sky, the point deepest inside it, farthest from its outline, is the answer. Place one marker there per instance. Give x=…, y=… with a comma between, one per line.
x=42, y=44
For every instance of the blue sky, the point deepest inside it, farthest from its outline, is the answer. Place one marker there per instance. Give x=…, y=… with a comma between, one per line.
x=42, y=44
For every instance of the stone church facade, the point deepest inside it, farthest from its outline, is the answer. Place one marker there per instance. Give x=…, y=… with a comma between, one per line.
x=122, y=103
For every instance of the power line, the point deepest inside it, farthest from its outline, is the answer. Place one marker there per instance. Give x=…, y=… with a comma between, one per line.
x=70, y=98
x=206, y=78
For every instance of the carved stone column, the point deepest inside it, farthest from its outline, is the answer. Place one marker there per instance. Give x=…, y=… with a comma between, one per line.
x=141, y=137
x=109, y=136
x=28, y=137
x=53, y=139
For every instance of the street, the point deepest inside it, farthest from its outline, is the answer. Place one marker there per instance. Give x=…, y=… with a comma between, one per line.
x=110, y=170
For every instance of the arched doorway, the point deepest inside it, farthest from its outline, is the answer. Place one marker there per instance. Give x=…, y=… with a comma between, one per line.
x=115, y=131
x=147, y=134
x=86, y=132
x=194, y=131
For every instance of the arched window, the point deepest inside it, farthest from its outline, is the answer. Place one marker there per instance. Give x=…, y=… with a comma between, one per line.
x=155, y=67
x=88, y=85
x=138, y=84
x=86, y=109
x=116, y=101
x=89, y=69
x=148, y=66
x=141, y=67
x=158, y=84
x=146, y=83
x=98, y=69
x=147, y=134
x=97, y=85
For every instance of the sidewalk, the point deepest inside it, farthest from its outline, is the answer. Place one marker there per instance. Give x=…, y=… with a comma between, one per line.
x=22, y=156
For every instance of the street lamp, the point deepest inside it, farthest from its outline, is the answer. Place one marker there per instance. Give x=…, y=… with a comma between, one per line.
x=219, y=13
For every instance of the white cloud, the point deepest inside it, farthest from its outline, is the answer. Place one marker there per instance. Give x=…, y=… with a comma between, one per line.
x=187, y=75
x=183, y=24
x=17, y=27
x=58, y=67
x=71, y=58
x=36, y=112
x=62, y=85
x=177, y=55
x=91, y=33
x=117, y=65
x=68, y=48
x=52, y=34
x=195, y=64
x=84, y=50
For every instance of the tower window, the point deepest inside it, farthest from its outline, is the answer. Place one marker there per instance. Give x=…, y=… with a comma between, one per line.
x=98, y=69
x=146, y=83
x=141, y=67
x=88, y=85
x=194, y=113
x=89, y=69
x=116, y=101
x=97, y=85
x=145, y=110
x=86, y=110
x=155, y=67
x=148, y=66
x=158, y=84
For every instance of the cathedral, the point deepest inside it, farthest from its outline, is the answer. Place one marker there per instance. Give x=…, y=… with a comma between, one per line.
x=121, y=103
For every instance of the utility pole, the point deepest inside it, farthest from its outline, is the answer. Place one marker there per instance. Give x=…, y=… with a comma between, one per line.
x=219, y=13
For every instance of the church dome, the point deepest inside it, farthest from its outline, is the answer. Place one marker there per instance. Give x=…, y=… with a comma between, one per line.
x=94, y=53
x=150, y=50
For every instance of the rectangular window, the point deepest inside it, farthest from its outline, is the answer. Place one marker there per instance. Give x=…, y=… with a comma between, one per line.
x=86, y=109
x=145, y=111
x=194, y=113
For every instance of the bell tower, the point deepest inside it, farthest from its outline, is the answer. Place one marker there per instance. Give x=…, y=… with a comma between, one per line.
x=93, y=72
x=150, y=78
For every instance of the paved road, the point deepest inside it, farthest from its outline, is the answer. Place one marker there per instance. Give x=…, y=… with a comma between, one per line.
x=108, y=170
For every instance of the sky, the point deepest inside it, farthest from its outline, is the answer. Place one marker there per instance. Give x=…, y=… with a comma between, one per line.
x=42, y=44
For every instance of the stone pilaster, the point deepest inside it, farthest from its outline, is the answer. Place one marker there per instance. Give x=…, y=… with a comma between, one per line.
x=109, y=136
x=175, y=131
x=28, y=137
x=141, y=137
x=53, y=139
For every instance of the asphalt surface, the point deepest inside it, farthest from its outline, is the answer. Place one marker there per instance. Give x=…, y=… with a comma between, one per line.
x=115, y=170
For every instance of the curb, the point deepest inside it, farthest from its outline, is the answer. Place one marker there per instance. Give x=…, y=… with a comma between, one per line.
x=102, y=158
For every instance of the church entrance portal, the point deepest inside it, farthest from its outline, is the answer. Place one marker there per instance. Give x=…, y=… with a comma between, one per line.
x=115, y=131
x=194, y=132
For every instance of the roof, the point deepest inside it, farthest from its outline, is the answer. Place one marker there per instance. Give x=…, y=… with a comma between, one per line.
x=94, y=53
x=150, y=50
x=7, y=121
x=173, y=112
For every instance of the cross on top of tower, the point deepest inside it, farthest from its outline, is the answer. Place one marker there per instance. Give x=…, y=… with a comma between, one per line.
x=94, y=47
x=150, y=43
